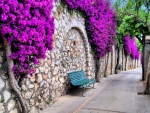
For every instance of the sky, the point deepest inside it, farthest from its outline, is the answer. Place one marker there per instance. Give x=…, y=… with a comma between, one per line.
x=113, y=1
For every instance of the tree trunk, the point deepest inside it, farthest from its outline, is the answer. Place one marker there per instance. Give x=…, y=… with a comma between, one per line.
x=118, y=57
x=143, y=71
x=122, y=60
x=126, y=63
x=146, y=89
x=105, y=72
x=12, y=80
x=98, y=77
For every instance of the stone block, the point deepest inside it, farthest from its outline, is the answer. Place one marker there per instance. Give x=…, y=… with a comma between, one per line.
x=2, y=108
x=38, y=78
x=37, y=70
x=8, y=84
x=42, y=84
x=11, y=105
x=14, y=111
x=6, y=95
x=52, y=55
x=62, y=80
x=1, y=59
x=53, y=94
x=58, y=44
x=55, y=71
x=46, y=65
x=42, y=62
x=32, y=102
x=36, y=86
x=53, y=64
x=56, y=84
x=49, y=62
x=46, y=71
x=24, y=87
x=1, y=46
x=27, y=82
x=2, y=84
x=41, y=69
x=56, y=78
x=53, y=80
x=4, y=75
x=1, y=54
x=32, y=78
x=33, y=110
x=87, y=68
x=31, y=86
x=28, y=95
x=44, y=77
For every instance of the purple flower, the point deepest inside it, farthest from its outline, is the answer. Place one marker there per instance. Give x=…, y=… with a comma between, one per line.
x=100, y=23
x=29, y=32
x=130, y=47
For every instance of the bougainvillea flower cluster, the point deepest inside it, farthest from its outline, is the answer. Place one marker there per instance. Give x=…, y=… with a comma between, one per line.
x=28, y=28
x=131, y=48
x=100, y=23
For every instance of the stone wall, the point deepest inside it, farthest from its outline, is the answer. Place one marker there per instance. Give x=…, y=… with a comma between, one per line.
x=71, y=52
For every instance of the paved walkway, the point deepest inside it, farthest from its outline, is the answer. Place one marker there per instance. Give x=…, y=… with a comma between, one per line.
x=115, y=94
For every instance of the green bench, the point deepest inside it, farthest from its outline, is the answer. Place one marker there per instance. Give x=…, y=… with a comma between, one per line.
x=78, y=78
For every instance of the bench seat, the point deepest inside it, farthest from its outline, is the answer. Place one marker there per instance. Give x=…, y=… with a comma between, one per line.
x=78, y=78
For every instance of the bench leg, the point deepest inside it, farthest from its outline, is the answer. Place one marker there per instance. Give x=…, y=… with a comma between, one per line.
x=83, y=92
x=93, y=86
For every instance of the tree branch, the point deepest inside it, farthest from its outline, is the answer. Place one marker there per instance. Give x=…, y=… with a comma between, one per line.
x=139, y=19
x=139, y=39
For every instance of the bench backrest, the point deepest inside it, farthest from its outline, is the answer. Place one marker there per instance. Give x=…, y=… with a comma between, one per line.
x=76, y=76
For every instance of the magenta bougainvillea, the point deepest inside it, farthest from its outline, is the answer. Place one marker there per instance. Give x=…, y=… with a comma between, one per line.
x=100, y=23
x=130, y=47
x=28, y=28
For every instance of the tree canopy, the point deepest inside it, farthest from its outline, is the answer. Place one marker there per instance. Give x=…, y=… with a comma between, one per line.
x=132, y=18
